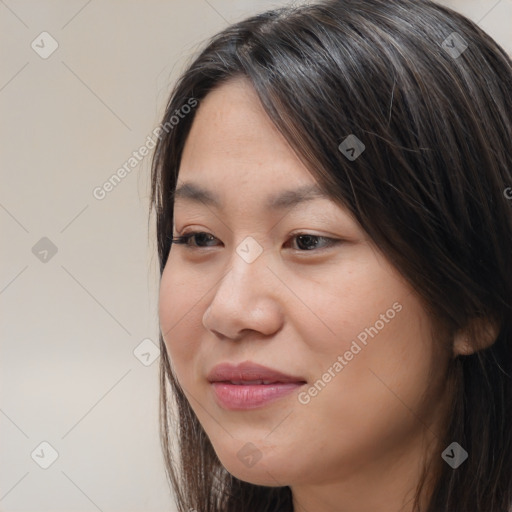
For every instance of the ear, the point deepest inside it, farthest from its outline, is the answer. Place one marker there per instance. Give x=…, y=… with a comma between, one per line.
x=480, y=333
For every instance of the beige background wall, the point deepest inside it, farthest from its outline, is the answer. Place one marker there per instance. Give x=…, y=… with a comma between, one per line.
x=71, y=320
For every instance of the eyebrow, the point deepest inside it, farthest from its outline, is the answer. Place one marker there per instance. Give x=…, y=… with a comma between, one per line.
x=284, y=200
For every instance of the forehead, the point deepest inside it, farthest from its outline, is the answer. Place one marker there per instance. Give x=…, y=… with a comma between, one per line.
x=234, y=148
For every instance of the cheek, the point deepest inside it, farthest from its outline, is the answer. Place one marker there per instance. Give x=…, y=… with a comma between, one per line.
x=382, y=333
x=359, y=303
x=381, y=388
x=180, y=309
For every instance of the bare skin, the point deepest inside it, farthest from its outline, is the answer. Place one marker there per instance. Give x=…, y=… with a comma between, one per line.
x=359, y=443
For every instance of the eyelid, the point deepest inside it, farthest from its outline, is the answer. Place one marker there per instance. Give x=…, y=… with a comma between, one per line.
x=187, y=235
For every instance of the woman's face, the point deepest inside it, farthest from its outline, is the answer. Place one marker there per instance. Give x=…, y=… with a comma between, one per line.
x=337, y=317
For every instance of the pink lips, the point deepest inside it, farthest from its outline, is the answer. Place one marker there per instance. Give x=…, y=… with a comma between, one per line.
x=250, y=385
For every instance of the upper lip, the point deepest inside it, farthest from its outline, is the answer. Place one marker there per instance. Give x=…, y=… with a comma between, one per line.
x=248, y=371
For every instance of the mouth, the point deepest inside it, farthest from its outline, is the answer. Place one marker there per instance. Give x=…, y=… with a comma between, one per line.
x=250, y=385
x=251, y=382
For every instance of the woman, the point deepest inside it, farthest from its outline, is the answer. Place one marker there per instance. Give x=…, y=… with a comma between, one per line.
x=335, y=311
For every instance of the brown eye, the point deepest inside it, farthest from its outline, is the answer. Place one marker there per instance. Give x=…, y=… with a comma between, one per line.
x=308, y=242
x=200, y=238
x=305, y=242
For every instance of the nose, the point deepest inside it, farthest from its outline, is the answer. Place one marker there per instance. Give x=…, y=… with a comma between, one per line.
x=245, y=300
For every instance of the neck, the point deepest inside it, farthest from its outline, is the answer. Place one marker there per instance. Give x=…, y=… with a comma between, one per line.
x=386, y=485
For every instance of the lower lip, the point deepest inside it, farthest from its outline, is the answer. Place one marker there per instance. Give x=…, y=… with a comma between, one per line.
x=251, y=396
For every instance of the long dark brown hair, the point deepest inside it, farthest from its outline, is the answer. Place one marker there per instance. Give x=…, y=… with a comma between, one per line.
x=430, y=189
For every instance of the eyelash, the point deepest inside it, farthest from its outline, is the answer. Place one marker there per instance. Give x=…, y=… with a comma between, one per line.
x=184, y=240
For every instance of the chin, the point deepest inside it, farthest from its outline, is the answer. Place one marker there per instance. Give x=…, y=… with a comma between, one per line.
x=258, y=476
x=251, y=465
